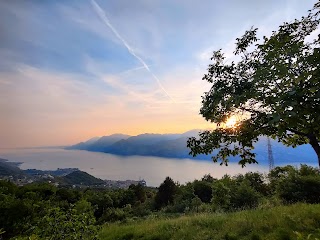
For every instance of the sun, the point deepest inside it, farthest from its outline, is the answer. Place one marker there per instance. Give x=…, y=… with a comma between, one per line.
x=231, y=122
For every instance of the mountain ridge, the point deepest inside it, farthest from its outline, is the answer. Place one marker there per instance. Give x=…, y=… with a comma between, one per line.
x=175, y=146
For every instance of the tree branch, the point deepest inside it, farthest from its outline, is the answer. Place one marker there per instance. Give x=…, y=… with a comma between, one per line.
x=297, y=132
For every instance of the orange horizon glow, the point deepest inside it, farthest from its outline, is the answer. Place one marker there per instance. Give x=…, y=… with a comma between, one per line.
x=74, y=132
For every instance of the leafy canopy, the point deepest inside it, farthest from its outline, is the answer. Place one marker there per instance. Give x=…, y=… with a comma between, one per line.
x=273, y=90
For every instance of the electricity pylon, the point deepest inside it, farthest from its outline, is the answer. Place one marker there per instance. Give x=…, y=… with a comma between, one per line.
x=270, y=155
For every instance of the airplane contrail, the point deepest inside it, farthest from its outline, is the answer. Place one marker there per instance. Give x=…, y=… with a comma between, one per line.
x=106, y=21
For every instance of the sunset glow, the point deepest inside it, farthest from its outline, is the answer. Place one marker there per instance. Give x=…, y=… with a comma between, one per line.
x=231, y=122
x=72, y=70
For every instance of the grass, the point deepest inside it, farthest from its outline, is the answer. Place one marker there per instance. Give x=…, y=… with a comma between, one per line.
x=296, y=222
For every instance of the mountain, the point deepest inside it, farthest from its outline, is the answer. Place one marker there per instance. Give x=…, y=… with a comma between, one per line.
x=147, y=144
x=191, y=133
x=162, y=145
x=143, y=144
x=150, y=138
x=98, y=144
x=283, y=154
x=84, y=145
x=175, y=146
x=81, y=178
x=9, y=168
x=102, y=143
x=92, y=140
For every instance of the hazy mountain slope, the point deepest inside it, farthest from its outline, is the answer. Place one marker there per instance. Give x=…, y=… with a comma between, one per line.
x=9, y=168
x=150, y=138
x=283, y=154
x=99, y=143
x=175, y=146
x=144, y=144
x=84, y=145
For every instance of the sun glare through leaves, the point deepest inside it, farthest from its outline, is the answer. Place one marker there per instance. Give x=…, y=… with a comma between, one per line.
x=231, y=122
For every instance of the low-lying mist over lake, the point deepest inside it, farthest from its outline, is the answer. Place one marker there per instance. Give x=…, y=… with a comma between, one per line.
x=108, y=166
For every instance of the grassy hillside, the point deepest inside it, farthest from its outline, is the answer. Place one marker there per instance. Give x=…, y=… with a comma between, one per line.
x=283, y=223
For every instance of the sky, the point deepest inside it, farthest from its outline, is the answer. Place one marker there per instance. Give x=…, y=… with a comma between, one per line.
x=72, y=70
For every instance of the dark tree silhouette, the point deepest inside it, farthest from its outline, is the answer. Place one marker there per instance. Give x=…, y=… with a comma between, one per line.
x=166, y=192
x=273, y=90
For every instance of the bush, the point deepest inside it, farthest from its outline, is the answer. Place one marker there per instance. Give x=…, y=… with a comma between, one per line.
x=67, y=225
x=244, y=196
x=300, y=189
x=297, y=185
x=203, y=190
x=112, y=215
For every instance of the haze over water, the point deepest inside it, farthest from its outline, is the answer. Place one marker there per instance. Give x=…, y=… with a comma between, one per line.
x=113, y=167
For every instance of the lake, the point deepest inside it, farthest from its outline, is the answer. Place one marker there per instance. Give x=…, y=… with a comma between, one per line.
x=113, y=167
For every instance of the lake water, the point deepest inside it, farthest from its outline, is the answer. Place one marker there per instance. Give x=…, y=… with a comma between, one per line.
x=113, y=167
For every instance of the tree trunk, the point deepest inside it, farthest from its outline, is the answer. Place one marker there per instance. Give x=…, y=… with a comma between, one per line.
x=315, y=145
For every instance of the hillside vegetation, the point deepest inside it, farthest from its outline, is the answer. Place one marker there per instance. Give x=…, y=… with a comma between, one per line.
x=249, y=206
x=9, y=168
x=81, y=178
x=298, y=221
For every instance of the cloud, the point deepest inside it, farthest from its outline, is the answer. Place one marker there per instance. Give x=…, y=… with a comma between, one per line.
x=186, y=89
x=66, y=74
x=265, y=27
x=104, y=18
x=41, y=107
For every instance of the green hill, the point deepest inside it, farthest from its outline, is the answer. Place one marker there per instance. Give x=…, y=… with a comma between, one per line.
x=81, y=178
x=294, y=222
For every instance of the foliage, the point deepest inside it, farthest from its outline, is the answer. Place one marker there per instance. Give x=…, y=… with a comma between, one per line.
x=112, y=215
x=43, y=211
x=203, y=190
x=166, y=192
x=298, y=185
x=274, y=223
x=244, y=196
x=273, y=90
x=16, y=214
x=196, y=203
x=221, y=195
x=139, y=192
x=68, y=225
x=82, y=178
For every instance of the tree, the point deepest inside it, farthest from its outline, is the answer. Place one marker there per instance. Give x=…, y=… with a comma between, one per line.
x=244, y=196
x=296, y=185
x=208, y=178
x=196, y=203
x=273, y=90
x=203, y=190
x=139, y=192
x=166, y=193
